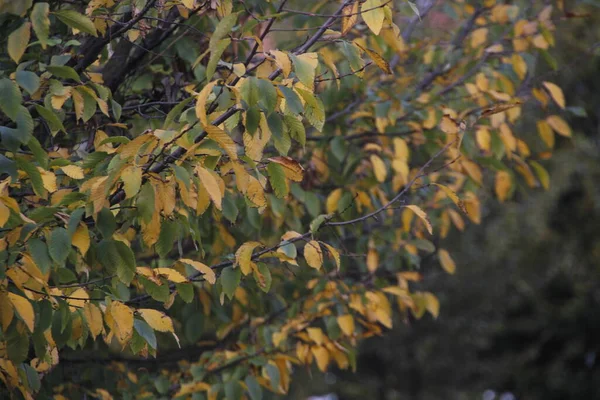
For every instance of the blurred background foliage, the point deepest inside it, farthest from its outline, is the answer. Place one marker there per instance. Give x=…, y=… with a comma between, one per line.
x=520, y=319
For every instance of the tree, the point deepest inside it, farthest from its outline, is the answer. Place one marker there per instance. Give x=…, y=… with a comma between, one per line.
x=205, y=195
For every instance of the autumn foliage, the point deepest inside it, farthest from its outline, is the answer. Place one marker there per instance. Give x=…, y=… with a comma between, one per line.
x=198, y=197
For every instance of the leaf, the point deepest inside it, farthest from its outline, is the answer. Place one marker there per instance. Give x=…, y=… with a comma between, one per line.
x=379, y=168
x=556, y=93
x=230, y=280
x=174, y=113
x=59, y=245
x=93, y=317
x=73, y=171
x=313, y=254
x=373, y=14
x=503, y=185
x=321, y=354
x=432, y=304
x=211, y=185
x=254, y=388
x=51, y=118
x=117, y=256
x=377, y=59
x=283, y=61
x=452, y=196
x=243, y=256
x=81, y=239
x=222, y=29
x=18, y=40
x=421, y=214
x=201, y=100
x=335, y=254
x=78, y=299
x=157, y=320
x=479, y=37
x=349, y=17
x=10, y=101
x=278, y=180
x=145, y=332
x=224, y=140
x=62, y=71
x=206, y=271
x=215, y=55
x=446, y=261
x=346, y=323
x=28, y=81
x=132, y=180
x=541, y=173
x=546, y=133
x=559, y=125
x=41, y=22
x=77, y=21
x=24, y=309
x=262, y=275
x=122, y=321
x=305, y=66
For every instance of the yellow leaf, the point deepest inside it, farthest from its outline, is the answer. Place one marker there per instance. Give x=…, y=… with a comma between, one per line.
x=432, y=304
x=170, y=274
x=421, y=214
x=291, y=168
x=24, y=309
x=313, y=254
x=157, y=320
x=243, y=256
x=446, y=261
x=503, y=185
x=18, y=40
x=78, y=299
x=372, y=259
x=132, y=180
x=283, y=61
x=6, y=311
x=449, y=125
x=546, y=133
x=559, y=125
x=346, y=323
x=255, y=192
x=483, y=137
x=93, y=317
x=316, y=335
x=223, y=140
x=556, y=93
x=206, y=271
x=193, y=387
x=452, y=196
x=211, y=185
x=379, y=168
x=73, y=171
x=201, y=100
x=373, y=14
x=542, y=174
x=479, y=37
x=519, y=66
x=122, y=318
x=377, y=59
x=81, y=238
x=321, y=355
x=335, y=254
x=350, y=16
x=4, y=214
x=331, y=204
x=48, y=179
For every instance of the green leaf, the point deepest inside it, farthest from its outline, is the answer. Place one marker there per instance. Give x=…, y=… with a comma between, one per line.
x=39, y=153
x=157, y=292
x=145, y=202
x=145, y=331
x=230, y=280
x=252, y=120
x=34, y=175
x=273, y=374
x=116, y=110
x=28, y=81
x=222, y=29
x=17, y=346
x=106, y=223
x=77, y=21
x=304, y=70
x=59, y=245
x=185, y=291
x=263, y=277
x=41, y=22
x=249, y=91
x=39, y=253
x=268, y=96
x=316, y=223
x=51, y=118
x=215, y=56
x=33, y=379
x=168, y=234
x=10, y=101
x=278, y=180
x=115, y=255
x=175, y=112
x=292, y=101
x=254, y=388
x=230, y=210
x=295, y=128
x=18, y=40
x=64, y=72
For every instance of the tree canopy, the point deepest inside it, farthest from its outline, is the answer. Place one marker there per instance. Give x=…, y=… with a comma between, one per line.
x=198, y=196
